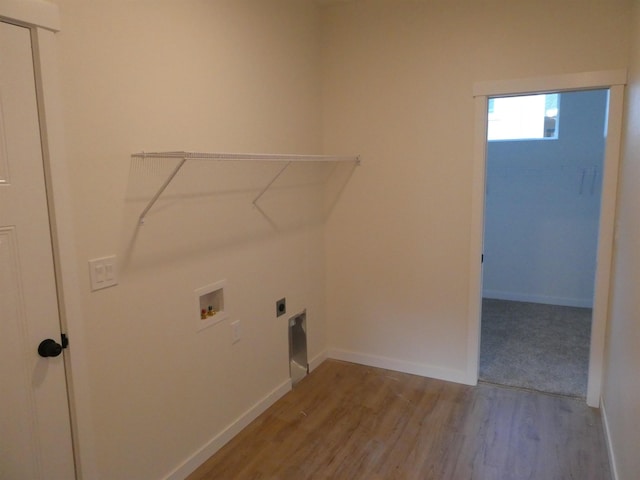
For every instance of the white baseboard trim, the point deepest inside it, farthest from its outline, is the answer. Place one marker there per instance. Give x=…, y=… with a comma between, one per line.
x=546, y=299
x=317, y=360
x=217, y=442
x=607, y=439
x=456, y=376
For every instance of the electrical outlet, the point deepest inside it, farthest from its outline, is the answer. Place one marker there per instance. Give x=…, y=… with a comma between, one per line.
x=235, y=331
x=281, y=307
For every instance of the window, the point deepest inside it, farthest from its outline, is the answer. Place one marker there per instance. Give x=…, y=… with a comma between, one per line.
x=527, y=117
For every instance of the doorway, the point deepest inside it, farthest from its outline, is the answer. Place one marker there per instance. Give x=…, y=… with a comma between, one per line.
x=612, y=80
x=542, y=202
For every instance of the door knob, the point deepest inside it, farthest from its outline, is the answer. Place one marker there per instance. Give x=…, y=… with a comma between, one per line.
x=49, y=348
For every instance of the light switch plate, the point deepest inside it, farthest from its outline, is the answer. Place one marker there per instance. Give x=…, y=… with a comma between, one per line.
x=103, y=272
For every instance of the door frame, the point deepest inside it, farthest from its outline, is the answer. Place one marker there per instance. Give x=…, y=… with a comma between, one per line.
x=43, y=20
x=614, y=80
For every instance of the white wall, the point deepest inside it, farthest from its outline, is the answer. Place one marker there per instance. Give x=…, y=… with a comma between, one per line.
x=224, y=75
x=393, y=83
x=542, y=209
x=621, y=395
x=398, y=78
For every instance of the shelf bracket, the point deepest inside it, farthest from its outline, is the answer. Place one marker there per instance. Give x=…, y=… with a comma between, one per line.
x=162, y=189
x=271, y=183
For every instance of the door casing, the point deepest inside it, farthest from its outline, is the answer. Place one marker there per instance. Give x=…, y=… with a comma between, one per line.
x=43, y=19
x=614, y=80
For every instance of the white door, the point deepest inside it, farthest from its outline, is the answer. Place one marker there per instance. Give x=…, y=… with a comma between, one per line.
x=35, y=432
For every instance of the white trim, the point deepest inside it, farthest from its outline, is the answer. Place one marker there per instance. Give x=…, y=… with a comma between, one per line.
x=69, y=297
x=420, y=369
x=546, y=299
x=554, y=83
x=477, y=240
x=605, y=245
x=35, y=13
x=607, y=439
x=614, y=80
x=222, y=438
x=317, y=360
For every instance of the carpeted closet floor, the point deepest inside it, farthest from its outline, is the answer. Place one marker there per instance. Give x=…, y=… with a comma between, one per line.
x=535, y=346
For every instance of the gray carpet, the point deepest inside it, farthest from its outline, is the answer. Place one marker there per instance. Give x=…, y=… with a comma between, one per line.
x=535, y=346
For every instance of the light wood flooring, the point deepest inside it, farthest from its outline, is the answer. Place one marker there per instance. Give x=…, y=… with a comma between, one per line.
x=347, y=421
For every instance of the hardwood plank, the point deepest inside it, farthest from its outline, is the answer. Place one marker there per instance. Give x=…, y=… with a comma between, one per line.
x=347, y=421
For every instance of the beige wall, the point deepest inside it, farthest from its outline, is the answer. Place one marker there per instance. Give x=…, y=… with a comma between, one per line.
x=621, y=395
x=230, y=76
x=398, y=78
x=391, y=80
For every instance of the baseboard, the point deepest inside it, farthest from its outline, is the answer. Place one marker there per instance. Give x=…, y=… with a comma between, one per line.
x=217, y=442
x=430, y=371
x=546, y=299
x=607, y=439
x=317, y=360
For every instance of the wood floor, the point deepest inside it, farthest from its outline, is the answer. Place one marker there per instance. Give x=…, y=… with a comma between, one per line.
x=347, y=421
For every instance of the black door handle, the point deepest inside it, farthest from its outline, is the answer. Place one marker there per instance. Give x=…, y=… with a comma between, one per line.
x=49, y=348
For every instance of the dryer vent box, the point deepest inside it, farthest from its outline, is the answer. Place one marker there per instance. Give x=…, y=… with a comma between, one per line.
x=298, y=364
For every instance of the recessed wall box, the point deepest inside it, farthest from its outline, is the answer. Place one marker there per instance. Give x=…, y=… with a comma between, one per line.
x=298, y=364
x=210, y=303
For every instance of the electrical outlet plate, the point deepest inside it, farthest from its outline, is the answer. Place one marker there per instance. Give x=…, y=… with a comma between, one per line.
x=235, y=331
x=281, y=307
